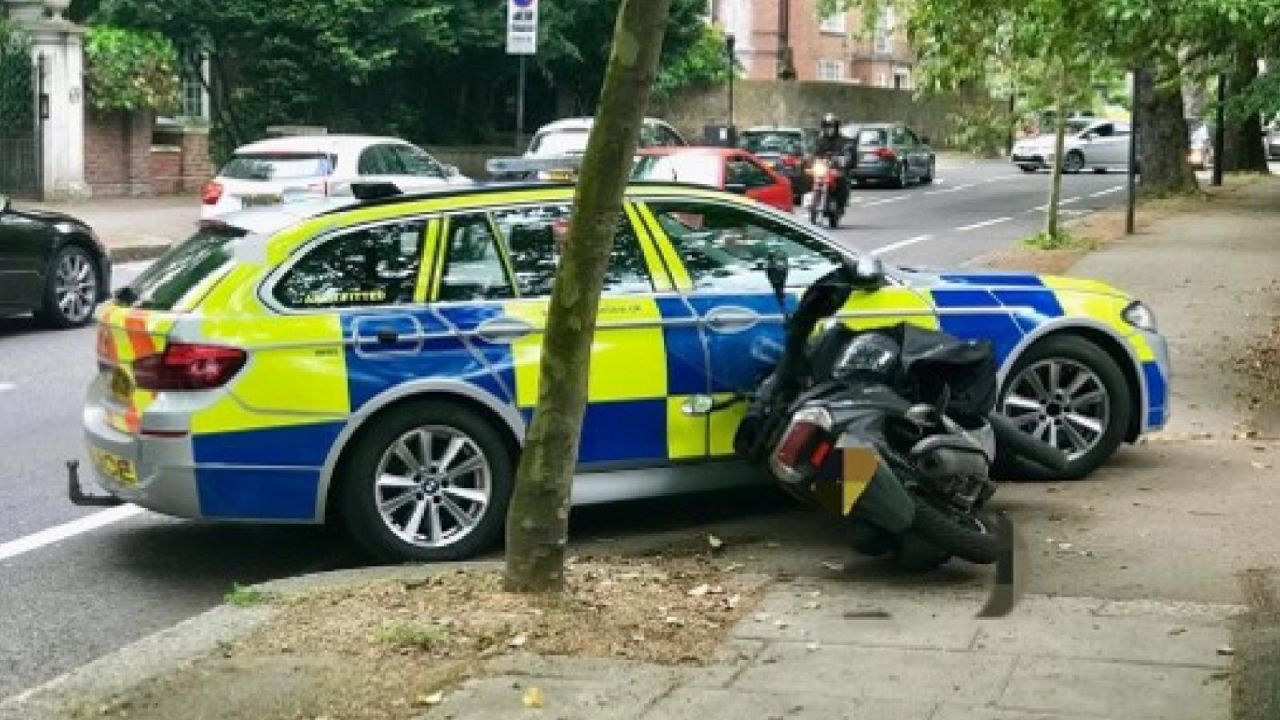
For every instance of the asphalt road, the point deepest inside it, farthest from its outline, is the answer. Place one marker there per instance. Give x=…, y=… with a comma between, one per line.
x=77, y=583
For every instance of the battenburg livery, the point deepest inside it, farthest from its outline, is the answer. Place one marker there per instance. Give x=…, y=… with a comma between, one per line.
x=378, y=360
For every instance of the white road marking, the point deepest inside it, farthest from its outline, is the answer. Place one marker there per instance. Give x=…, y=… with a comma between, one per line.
x=887, y=200
x=985, y=223
x=6, y=386
x=58, y=533
x=949, y=190
x=901, y=244
x=1108, y=191
x=1068, y=201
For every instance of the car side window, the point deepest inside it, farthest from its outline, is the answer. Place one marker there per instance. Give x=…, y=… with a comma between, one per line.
x=668, y=137
x=416, y=162
x=535, y=237
x=473, y=267
x=899, y=137
x=741, y=171
x=725, y=248
x=377, y=160
x=375, y=265
x=1104, y=130
x=912, y=140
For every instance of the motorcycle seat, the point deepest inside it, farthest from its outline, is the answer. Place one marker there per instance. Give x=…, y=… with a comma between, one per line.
x=825, y=349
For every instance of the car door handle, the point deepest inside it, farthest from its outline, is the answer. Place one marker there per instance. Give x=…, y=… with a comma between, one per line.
x=503, y=329
x=731, y=319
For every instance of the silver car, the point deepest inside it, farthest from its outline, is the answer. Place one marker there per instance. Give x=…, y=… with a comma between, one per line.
x=1090, y=143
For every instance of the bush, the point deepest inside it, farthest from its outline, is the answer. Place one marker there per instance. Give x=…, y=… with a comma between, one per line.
x=981, y=130
x=130, y=70
x=16, y=111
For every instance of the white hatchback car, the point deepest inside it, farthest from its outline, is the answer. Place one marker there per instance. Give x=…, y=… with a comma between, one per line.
x=1090, y=143
x=269, y=172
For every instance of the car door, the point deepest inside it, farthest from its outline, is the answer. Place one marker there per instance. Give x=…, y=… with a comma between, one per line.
x=759, y=184
x=1103, y=147
x=917, y=152
x=24, y=245
x=717, y=253
x=628, y=422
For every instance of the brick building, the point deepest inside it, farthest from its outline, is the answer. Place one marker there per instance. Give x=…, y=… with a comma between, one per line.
x=834, y=48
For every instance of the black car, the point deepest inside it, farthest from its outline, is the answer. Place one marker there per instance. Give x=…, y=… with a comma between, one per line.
x=52, y=265
x=891, y=153
x=789, y=150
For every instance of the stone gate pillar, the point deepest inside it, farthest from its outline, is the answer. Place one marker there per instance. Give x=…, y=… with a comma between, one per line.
x=57, y=50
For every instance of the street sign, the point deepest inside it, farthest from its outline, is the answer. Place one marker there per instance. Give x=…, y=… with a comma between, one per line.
x=522, y=27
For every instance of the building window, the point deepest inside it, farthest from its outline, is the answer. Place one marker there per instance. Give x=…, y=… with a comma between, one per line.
x=831, y=70
x=901, y=80
x=194, y=100
x=834, y=24
x=884, y=32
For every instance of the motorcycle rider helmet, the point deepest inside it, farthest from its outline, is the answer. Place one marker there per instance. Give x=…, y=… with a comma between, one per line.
x=870, y=357
x=830, y=125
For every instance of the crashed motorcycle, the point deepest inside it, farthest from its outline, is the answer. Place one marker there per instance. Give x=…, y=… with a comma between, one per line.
x=892, y=430
x=824, y=200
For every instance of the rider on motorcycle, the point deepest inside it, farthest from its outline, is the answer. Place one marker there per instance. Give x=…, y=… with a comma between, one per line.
x=832, y=144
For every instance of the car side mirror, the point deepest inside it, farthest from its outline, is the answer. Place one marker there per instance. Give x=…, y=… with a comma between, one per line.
x=739, y=188
x=868, y=273
x=451, y=171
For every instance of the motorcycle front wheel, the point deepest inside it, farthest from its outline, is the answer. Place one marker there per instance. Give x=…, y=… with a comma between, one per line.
x=970, y=537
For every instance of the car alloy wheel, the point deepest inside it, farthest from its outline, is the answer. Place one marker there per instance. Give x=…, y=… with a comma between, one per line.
x=1073, y=162
x=433, y=486
x=1060, y=402
x=75, y=287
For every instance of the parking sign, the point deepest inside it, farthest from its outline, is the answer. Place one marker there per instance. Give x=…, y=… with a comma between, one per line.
x=522, y=27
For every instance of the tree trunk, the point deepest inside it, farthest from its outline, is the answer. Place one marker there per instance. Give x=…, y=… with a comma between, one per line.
x=538, y=521
x=1163, y=140
x=1059, y=145
x=1243, y=149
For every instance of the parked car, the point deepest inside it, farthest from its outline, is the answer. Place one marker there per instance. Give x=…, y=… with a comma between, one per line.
x=789, y=150
x=378, y=361
x=890, y=153
x=568, y=138
x=721, y=168
x=52, y=265
x=269, y=172
x=1273, y=140
x=1200, y=146
x=1090, y=143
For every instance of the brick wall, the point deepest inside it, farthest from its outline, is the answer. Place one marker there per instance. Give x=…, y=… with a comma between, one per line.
x=166, y=170
x=180, y=159
x=117, y=149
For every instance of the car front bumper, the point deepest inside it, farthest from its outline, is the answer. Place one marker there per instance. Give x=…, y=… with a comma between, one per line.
x=1032, y=159
x=1157, y=373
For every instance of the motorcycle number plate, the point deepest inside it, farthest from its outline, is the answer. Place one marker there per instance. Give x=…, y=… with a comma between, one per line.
x=858, y=466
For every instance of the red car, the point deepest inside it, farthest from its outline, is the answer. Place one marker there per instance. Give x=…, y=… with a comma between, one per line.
x=725, y=168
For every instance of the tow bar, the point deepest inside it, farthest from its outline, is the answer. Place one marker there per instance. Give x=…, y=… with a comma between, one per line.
x=80, y=497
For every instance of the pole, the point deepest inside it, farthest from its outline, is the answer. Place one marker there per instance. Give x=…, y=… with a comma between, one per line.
x=1219, y=130
x=1132, y=174
x=520, y=107
x=730, y=42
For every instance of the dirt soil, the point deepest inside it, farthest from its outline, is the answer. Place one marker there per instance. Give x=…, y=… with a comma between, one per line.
x=390, y=649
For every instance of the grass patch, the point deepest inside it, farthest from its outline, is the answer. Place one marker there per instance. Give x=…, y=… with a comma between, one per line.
x=410, y=635
x=242, y=596
x=1063, y=240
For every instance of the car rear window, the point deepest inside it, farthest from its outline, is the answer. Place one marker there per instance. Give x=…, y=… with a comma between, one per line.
x=174, y=274
x=559, y=142
x=787, y=143
x=695, y=168
x=278, y=166
x=871, y=138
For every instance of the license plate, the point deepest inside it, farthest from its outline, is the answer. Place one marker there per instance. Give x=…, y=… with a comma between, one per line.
x=114, y=466
x=259, y=200
x=560, y=175
x=121, y=385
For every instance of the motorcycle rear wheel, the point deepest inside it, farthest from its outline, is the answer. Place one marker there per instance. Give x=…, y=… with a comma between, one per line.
x=969, y=537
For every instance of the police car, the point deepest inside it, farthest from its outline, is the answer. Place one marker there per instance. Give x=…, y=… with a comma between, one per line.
x=377, y=360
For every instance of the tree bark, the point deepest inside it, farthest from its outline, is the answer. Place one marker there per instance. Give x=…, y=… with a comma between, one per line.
x=1243, y=149
x=538, y=520
x=1163, y=138
x=1059, y=145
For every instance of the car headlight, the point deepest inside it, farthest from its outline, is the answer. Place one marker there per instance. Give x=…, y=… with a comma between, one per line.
x=1139, y=316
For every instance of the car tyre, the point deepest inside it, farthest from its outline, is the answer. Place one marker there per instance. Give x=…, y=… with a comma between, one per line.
x=377, y=475
x=1071, y=354
x=900, y=180
x=1028, y=168
x=72, y=284
x=1073, y=162
x=927, y=178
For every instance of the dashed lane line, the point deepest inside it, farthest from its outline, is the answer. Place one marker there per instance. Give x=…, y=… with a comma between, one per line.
x=1108, y=191
x=4, y=386
x=901, y=244
x=886, y=201
x=985, y=223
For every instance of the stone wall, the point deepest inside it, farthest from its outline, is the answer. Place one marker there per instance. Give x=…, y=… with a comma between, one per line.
x=772, y=102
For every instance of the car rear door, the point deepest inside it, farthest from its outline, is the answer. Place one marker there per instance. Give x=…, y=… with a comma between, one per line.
x=24, y=246
x=760, y=184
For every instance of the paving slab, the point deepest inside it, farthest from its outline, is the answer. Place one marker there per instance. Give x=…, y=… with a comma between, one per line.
x=687, y=703
x=851, y=671
x=969, y=712
x=1120, y=690
x=500, y=698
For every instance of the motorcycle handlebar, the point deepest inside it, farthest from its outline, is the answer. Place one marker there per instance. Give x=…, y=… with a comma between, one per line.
x=1009, y=437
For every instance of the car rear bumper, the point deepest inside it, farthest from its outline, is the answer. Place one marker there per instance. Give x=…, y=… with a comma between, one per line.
x=874, y=171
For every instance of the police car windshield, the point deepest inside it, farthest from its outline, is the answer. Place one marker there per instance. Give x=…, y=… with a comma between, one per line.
x=278, y=166
x=170, y=278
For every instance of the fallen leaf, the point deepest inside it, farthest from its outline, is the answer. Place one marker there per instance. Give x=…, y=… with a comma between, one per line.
x=812, y=647
x=434, y=698
x=732, y=601
x=812, y=605
x=773, y=544
x=1226, y=650
x=1177, y=631
x=715, y=542
x=518, y=641
x=699, y=590
x=781, y=624
x=733, y=567
x=673, y=620
x=1259, y=466
x=1064, y=546
x=833, y=566
x=533, y=698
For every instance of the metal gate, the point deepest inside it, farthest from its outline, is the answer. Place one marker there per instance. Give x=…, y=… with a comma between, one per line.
x=20, y=164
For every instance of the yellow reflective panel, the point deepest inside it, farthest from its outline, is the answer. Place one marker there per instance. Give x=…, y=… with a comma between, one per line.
x=648, y=245
x=858, y=466
x=628, y=360
x=686, y=434
x=679, y=275
x=724, y=425
x=886, y=307
x=430, y=259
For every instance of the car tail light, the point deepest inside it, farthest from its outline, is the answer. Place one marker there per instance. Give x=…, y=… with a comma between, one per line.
x=185, y=366
x=804, y=446
x=211, y=193
x=886, y=154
